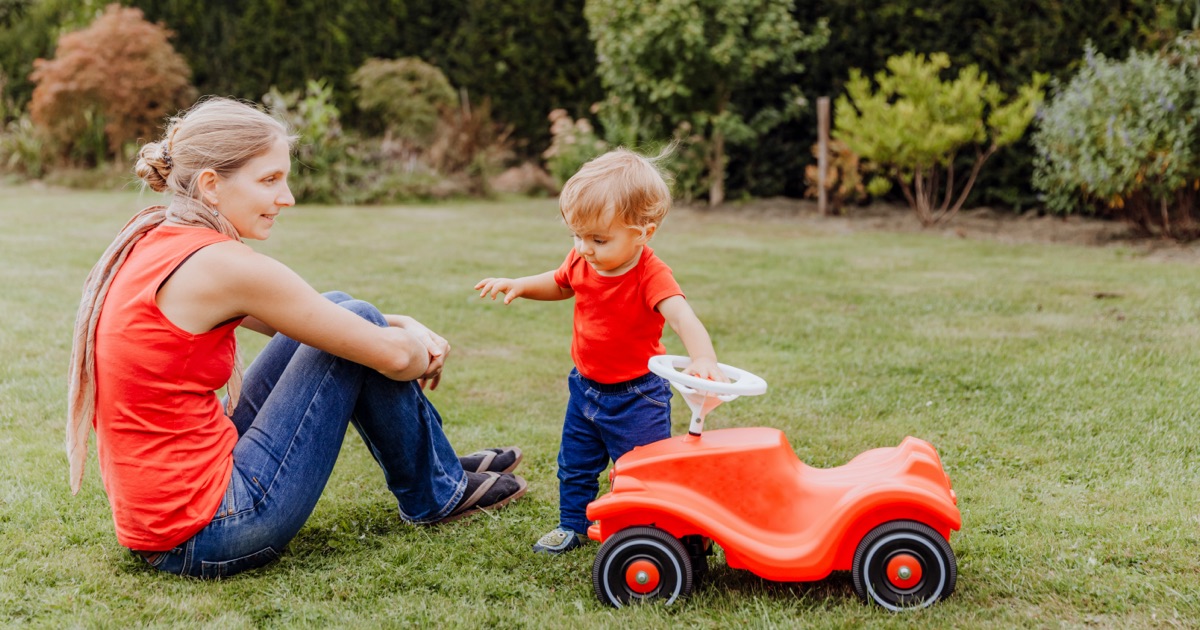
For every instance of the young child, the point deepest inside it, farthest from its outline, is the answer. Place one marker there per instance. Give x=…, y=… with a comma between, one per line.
x=623, y=293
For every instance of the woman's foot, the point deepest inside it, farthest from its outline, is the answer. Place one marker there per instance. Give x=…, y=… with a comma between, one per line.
x=501, y=460
x=485, y=491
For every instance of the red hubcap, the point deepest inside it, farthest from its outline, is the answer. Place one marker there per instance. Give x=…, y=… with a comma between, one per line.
x=904, y=571
x=641, y=576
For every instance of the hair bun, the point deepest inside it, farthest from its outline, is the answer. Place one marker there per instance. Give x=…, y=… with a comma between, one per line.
x=154, y=166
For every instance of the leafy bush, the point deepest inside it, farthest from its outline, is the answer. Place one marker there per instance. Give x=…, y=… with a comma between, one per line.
x=470, y=146
x=684, y=61
x=843, y=177
x=119, y=76
x=1121, y=137
x=572, y=143
x=326, y=164
x=29, y=30
x=528, y=56
x=23, y=148
x=913, y=128
x=686, y=163
x=333, y=166
x=408, y=95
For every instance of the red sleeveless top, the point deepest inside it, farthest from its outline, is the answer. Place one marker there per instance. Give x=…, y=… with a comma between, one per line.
x=165, y=445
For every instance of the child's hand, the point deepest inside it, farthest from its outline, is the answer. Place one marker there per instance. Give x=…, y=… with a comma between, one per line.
x=492, y=286
x=706, y=368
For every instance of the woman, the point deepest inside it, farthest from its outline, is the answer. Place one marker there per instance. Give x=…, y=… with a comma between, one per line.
x=204, y=489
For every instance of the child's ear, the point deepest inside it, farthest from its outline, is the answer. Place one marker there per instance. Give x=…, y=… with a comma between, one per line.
x=647, y=232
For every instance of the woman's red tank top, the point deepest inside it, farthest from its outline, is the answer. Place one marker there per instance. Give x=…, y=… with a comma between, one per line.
x=165, y=444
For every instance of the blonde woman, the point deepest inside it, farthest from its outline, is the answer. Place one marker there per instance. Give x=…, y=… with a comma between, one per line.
x=207, y=489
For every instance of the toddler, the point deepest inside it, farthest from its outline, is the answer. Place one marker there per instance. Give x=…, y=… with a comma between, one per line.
x=623, y=294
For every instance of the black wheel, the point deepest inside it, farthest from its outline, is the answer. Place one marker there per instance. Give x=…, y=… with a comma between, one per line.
x=904, y=564
x=641, y=564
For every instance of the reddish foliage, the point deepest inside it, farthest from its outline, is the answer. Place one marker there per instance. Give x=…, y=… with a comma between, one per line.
x=120, y=67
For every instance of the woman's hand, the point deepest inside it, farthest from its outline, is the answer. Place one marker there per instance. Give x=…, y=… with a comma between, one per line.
x=437, y=347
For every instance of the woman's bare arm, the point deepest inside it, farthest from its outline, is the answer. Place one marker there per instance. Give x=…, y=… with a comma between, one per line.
x=229, y=280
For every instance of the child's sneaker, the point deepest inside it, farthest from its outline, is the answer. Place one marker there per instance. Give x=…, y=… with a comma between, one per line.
x=558, y=541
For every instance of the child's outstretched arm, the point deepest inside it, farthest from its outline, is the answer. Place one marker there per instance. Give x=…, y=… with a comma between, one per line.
x=539, y=287
x=683, y=321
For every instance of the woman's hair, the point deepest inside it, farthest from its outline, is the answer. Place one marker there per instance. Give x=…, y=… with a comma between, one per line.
x=217, y=133
x=631, y=185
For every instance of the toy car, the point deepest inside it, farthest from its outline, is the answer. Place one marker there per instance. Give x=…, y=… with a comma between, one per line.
x=886, y=515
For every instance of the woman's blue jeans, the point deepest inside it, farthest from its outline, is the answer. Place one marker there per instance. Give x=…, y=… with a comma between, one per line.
x=295, y=406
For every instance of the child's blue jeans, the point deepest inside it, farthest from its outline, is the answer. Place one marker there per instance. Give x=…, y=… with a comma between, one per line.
x=603, y=422
x=295, y=407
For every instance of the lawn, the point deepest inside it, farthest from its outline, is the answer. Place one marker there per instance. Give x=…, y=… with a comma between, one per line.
x=1058, y=383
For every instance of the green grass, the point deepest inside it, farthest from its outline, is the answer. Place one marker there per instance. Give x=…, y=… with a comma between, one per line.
x=1067, y=422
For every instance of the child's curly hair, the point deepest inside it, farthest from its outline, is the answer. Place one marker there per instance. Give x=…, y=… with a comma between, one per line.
x=632, y=185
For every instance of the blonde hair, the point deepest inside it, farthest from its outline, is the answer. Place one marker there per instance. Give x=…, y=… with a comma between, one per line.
x=217, y=133
x=629, y=185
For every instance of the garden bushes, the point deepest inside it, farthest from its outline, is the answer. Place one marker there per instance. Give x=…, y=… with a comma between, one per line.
x=109, y=84
x=1120, y=138
x=912, y=124
x=526, y=58
x=455, y=151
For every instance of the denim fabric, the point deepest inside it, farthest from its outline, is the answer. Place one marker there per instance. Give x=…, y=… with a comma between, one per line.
x=296, y=404
x=603, y=422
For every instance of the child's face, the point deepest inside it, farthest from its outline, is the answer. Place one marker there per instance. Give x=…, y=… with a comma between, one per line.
x=609, y=246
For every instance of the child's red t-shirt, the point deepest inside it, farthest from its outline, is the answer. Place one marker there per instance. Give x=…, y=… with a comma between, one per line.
x=617, y=327
x=165, y=445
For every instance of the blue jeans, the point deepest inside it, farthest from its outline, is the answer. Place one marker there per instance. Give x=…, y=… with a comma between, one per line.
x=603, y=422
x=295, y=407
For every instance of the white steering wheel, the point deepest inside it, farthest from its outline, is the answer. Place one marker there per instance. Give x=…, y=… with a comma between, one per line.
x=703, y=395
x=742, y=383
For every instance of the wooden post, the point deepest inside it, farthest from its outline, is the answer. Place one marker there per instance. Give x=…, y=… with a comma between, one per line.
x=822, y=154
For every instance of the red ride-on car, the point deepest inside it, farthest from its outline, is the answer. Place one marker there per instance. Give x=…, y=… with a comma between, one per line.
x=885, y=515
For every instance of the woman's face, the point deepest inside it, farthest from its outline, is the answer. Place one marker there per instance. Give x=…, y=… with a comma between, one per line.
x=253, y=195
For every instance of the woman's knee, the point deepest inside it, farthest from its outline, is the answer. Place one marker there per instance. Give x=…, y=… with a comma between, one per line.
x=337, y=297
x=365, y=310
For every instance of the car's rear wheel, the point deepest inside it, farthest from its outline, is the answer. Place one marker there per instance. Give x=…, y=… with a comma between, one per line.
x=641, y=564
x=904, y=564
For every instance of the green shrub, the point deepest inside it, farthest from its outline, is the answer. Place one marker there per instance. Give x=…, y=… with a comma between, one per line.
x=408, y=95
x=333, y=166
x=24, y=148
x=1120, y=138
x=666, y=63
x=325, y=162
x=914, y=125
x=686, y=163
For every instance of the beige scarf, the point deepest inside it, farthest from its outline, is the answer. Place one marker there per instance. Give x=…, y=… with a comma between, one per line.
x=81, y=380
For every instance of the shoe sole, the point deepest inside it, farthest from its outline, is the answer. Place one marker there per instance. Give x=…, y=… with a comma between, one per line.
x=516, y=462
x=549, y=551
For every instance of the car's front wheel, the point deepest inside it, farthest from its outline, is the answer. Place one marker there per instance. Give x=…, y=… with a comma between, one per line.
x=641, y=564
x=904, y=564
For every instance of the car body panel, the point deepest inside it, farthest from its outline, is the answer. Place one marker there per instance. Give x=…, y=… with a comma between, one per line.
x=772, y=514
